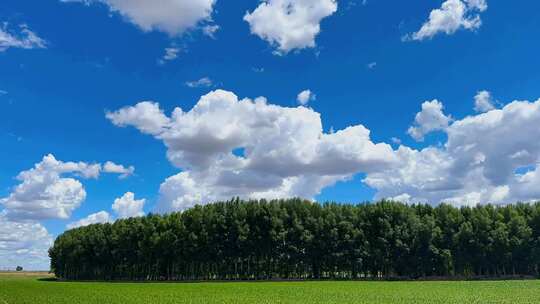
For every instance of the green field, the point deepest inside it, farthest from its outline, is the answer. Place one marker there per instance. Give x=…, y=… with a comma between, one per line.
x=28, y=289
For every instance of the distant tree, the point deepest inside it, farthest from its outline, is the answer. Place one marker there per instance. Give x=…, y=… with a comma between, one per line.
x=19, y=268
x=299, y=239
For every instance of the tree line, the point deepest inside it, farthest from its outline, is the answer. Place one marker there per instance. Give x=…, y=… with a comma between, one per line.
x=299, y=239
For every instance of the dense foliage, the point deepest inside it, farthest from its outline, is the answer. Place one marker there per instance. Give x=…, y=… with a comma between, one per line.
x=299, y=239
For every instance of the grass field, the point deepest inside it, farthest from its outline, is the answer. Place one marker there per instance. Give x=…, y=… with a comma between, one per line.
x=27, y=288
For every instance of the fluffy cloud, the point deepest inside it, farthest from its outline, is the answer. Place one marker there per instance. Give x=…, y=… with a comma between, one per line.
x=490, y=157
x=229, y=147
x=95, y=218
x=483, y=102
x=127, y=206
x=147, y=116
x=305, y=97
x=45, y=192
x=23, y=243
x=170, y=16
x=110, y=167
x=289, y=24
x=24, y=38
x=124, y=207
x=452, y=16
x=430, y=119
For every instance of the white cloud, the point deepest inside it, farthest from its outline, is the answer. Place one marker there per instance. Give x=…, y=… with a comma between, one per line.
x=124, y=207
x=228, y=147
x=173, y=17
x=94, y=218
x=110, y=167
x=171, y=53
x=45, y=192
x=430, y=119
x=289, y=24
x=372, y=65
x=452, y=16
x=24, y=38
x=127, y=206
x=204, y=82
x=305, y=97
x=483, y=102
x=404, y=198
x=479, y=163
x=211, y=30
x=146, y=115
x=285, y=151
x=23, y=243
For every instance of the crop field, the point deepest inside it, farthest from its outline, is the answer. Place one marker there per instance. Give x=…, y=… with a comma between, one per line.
x=31, y=289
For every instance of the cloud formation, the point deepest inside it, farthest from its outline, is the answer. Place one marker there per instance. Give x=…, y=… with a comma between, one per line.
x=22, y=38
x=23, y=243
x=228, y=147
x=110, y=167
x=94, y=218
x=173, y=17
x=289, y=24
x=204, y=82
x=127, y=206
x=171, y=53
x=45, y=192
x=452, y=16
x=124, y=207
x=305, y=97
x=483, y=102
x=283, y=151
x=430, y=119
x=488, y=158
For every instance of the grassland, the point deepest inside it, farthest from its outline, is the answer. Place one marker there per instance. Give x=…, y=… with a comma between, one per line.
x=22, y=289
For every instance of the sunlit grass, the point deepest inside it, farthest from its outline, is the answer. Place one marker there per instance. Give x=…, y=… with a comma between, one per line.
x=29, y=289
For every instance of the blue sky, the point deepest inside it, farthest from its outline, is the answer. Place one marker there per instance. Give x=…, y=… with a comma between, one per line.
x=94, y=58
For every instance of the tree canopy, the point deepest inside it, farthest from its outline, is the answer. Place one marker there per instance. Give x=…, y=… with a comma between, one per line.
x=299, y=239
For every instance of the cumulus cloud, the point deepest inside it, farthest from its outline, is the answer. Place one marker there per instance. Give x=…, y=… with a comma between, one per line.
x=147, y=115
x=46, y=193
x=204, y=82
x=173, y=17
x=228, y=147
x=127, y=206
x=289, y=24
x=124, y=207
x=452, y=16
x=284, y=150
x=22, y=38
x=305, y=97
x=94, y=218
x=23, y=243
x=430, y=119
x=481, y=161
x=483, y=102
x=110, y=167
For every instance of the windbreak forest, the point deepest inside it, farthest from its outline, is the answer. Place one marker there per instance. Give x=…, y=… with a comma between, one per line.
x=298, y=239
